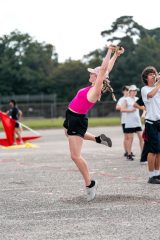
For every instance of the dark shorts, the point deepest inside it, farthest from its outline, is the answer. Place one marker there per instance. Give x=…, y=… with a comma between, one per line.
x=17, y=125
x=152, y=137
x=123, y=127
x=76, y=124
x=132, y=130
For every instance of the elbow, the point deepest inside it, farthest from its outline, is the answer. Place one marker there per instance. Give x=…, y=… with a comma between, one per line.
x=150, y=95
x=118, y=108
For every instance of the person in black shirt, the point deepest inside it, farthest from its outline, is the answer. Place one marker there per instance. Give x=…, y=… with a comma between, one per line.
x=140, y=105
x=15, y=113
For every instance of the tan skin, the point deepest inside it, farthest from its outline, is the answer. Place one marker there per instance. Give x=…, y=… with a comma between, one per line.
x=18, y=132
x=76, y=142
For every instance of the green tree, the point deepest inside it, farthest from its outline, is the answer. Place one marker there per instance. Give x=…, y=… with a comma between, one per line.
x=68, y=78
x=30, y=67
x=141, y=49
x=26, y=66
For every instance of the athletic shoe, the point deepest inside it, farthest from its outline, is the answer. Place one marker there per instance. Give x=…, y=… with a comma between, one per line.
x=91, y=192
x=143, y=162
x=154, y=180
x=105, y=140
x=130, y=157
x=126, y=154
x=157, y=177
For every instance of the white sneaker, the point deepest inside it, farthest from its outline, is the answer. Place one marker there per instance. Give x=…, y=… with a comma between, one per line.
x=144, y=163
x=91, y=192
x=105, y=140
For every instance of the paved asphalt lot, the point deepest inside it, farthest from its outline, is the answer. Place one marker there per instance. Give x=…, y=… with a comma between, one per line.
x=42, y=196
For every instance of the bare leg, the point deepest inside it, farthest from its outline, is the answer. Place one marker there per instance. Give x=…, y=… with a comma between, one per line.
x=125, y=142
x=153, y=166
x=65, y=131
x=141, y=142
x=157, y=162
x=129, y=142
x=19, y=135
x=89, y=136
x=14, y=143
x=75, y=144
x=151, y=161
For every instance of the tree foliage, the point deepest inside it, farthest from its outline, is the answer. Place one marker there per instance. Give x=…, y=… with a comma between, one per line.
x=30, y=67
x=26, y=66
x=141, y=49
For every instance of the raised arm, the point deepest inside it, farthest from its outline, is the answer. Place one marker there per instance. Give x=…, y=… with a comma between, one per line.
x=103, y=68
x=109, y=61
x=153, y=92
x=95, y=92
x=118, y=52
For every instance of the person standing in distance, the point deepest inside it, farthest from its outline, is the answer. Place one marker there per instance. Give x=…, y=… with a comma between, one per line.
x=119, y=105
x=15, y=113
x=132, y=121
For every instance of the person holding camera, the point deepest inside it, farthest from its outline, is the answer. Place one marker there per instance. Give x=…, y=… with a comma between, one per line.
x=151, y=97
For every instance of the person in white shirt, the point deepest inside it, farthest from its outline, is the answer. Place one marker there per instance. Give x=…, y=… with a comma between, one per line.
x=132, y=120
x=151, y=97
x=119, y=105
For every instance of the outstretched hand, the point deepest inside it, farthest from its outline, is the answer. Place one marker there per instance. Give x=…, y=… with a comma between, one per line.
x=157, y=83
x=112, y=47
x=116, y=49
x=119, y=50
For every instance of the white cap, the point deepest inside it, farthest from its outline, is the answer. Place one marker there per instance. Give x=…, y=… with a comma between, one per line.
x=96, y=70
x=133, y=88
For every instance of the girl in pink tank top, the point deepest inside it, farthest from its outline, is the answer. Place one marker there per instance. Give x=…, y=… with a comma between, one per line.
x=80, y=103
x=76, y=122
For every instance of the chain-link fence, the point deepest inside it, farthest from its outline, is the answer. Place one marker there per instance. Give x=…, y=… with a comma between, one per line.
x=48, y=107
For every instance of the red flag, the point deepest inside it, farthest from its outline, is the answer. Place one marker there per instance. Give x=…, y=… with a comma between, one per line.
x=8, y=125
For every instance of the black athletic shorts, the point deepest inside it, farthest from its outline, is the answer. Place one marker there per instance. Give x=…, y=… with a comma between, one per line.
x=153, y=137
x=76, y=124
x=132, y=130
x=17, y=125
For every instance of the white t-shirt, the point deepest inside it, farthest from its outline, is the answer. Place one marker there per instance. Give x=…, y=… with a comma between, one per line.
x=133, y=119
x=120, y=103
x=152, y=104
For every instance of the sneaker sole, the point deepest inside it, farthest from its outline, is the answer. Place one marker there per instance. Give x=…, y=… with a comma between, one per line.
x=96, y=186
x=130, y=159
x=153, y=182
x=106, y=139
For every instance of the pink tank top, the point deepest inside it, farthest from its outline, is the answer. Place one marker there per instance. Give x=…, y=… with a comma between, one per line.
x=80, y=103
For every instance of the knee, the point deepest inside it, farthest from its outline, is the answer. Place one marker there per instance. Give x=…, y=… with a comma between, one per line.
x=126, y=137
x=74, y=157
